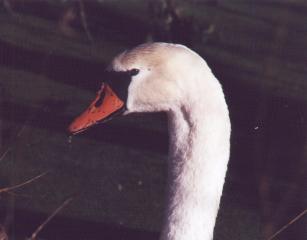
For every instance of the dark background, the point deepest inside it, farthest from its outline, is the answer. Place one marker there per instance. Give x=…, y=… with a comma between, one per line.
x=52, y=54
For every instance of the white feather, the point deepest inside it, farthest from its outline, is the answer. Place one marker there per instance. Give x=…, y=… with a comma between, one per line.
x=175, y=79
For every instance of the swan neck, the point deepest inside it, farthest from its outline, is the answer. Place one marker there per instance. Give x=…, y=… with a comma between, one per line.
x=198, y=157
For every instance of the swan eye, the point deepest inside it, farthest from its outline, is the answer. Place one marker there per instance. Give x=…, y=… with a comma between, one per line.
x=134, y=71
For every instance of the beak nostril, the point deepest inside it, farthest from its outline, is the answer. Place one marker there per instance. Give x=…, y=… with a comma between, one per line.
x=100, y=100
x=105, y=106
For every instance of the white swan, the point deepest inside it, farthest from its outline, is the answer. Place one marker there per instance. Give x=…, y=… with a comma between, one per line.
x=172, y=78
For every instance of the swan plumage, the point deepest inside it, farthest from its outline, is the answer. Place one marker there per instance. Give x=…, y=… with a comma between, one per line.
x=174, y=79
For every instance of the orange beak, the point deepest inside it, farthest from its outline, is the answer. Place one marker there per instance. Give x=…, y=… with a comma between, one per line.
x=105, y=105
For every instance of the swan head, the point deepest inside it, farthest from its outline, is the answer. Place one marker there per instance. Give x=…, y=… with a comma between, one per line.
x=149, y=78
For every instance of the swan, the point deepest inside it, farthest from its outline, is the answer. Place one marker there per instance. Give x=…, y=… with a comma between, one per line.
x=167, y=77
